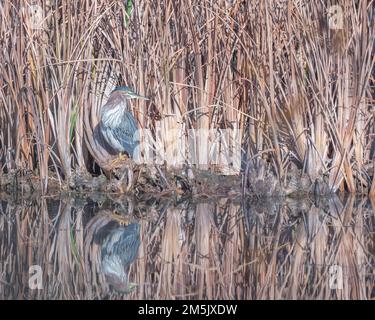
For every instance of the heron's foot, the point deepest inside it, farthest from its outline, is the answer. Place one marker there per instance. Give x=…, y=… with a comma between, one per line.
x=122, y=156
x=122, y=221
x=119, y=161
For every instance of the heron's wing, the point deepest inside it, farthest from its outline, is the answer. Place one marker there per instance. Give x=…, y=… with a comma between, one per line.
x=123, y=242
x=102, y=233
x=125, y=133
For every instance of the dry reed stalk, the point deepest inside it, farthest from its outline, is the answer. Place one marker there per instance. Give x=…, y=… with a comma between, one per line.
x=295, y=88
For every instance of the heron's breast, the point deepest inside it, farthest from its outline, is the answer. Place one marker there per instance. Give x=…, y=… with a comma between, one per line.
x=112, y=116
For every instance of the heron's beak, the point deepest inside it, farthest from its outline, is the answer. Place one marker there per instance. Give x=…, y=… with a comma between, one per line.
x=133, y=95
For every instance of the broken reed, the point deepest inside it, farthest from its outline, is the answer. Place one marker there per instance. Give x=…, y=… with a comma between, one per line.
x=297, y=87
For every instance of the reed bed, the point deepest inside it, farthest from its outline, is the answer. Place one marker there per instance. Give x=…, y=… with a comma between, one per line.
x=222, y=250
x=284, y=82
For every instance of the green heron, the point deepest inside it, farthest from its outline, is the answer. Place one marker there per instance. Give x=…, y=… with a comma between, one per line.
x=119, y=249
x=117, y=125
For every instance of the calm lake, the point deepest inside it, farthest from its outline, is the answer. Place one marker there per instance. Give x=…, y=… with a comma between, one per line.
x=111, y=247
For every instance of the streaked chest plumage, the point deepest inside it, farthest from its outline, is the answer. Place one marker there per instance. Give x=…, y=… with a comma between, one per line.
x=118, y=125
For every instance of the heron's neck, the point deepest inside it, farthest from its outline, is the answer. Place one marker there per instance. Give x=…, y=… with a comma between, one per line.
x=113, y=116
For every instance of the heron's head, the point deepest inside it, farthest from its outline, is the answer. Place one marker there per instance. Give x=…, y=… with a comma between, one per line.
x=129, y=93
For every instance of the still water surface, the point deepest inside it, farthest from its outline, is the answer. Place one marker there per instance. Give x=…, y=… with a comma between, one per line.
x=103, y=247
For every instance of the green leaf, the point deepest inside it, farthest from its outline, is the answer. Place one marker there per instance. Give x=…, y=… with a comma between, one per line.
x=128, y=9
x=73, y=122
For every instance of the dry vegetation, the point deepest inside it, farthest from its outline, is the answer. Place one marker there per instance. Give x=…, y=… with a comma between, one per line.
x=295, y=89
x=193, y=250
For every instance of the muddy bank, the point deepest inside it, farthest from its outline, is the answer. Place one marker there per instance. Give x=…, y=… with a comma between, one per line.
x=139, y=181
x=156, y=181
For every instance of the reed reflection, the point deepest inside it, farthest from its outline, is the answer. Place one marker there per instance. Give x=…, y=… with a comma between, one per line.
x=96, y=247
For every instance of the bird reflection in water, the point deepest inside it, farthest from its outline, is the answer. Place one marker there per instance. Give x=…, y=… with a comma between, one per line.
x=119, y=243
